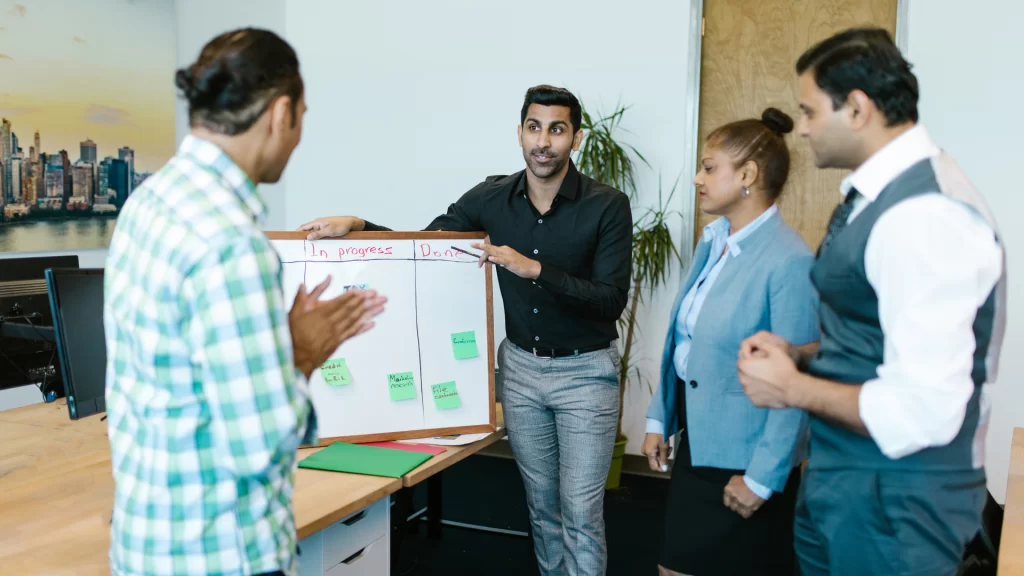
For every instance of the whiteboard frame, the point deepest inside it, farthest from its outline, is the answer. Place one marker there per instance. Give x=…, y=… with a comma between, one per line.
x=431, y=432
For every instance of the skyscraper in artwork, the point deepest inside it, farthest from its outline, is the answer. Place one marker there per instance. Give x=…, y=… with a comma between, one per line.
x=88, y=151
x=6, y=152
x=127, y=155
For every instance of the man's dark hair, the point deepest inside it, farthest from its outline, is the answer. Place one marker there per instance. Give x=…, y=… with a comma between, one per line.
x=552, y=96
x=236, y=77
x=864, y=59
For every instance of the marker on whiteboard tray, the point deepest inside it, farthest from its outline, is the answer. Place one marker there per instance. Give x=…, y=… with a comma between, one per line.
x=457, y=249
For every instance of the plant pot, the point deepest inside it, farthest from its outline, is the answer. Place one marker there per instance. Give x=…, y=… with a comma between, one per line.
x=615, y=472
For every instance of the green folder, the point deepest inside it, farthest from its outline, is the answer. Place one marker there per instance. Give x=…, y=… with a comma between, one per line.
x=370, y=460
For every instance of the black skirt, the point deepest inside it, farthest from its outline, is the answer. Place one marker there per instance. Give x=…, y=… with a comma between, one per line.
x=704, y=538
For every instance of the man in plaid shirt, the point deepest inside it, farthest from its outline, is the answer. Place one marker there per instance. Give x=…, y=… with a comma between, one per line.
x=207, y=396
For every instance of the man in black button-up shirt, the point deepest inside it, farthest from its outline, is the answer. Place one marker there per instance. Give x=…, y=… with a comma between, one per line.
x=563, y=244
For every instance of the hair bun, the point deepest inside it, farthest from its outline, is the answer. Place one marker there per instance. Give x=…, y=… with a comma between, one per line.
x=777, y=121
x=186, y=83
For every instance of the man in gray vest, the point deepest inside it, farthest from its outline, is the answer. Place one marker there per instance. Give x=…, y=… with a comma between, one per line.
x=910, y=275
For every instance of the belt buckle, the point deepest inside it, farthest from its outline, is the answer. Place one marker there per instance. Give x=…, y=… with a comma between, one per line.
x=539, y=355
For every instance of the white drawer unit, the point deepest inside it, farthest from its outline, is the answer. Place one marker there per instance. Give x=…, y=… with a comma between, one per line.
x=372, y=560
x=359, y=542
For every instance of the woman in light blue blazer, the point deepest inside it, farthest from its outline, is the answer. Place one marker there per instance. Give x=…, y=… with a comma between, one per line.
x=734, y=483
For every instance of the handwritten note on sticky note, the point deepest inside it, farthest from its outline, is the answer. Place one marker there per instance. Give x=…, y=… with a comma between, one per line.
x=402, y=386
x=335, y=372
x=446, y=396
x=464, y=345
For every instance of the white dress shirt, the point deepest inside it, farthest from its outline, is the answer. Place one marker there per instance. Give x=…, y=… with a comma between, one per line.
x=932, y=261
x=717, y=233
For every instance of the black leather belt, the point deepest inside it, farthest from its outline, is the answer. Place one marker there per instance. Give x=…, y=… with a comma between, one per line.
x=556, y=353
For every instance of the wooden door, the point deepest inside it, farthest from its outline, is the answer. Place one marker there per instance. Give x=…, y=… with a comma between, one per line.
x=748, y=63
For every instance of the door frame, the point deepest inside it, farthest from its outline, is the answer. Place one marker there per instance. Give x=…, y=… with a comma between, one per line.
x=688, y=196
x=903, y=25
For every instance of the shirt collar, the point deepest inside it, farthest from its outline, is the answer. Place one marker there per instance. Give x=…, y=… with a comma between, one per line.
x=889, y=162
x=720, y=227
x=209, y=156
x=569, y=188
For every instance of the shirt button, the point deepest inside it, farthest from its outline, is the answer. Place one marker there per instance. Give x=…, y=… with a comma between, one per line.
x=540, y=221
x=535, y=251
x=534, y=310
x=536, y=338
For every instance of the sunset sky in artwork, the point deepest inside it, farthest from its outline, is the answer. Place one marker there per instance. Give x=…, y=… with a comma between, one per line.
x=96, y=69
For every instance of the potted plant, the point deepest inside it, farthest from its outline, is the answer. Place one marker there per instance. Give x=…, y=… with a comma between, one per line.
x=603, y=158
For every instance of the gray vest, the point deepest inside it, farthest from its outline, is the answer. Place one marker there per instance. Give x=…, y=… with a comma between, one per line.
x=852, y=341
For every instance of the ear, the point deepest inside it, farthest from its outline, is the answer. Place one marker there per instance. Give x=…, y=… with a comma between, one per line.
x=748, y=173
x=861, y=109
x=519, y=134
x=280, y=115
x=577, y=139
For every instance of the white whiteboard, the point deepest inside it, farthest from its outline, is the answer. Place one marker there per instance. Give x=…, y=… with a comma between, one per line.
x=433, y=293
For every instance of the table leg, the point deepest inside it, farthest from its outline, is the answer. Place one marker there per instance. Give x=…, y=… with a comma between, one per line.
x=435, y=507
x=399, y=518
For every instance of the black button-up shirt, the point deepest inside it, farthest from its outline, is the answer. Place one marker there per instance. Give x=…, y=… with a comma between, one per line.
x=584, y=245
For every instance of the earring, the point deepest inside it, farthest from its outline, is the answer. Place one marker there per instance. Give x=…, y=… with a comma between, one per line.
x=746, y=192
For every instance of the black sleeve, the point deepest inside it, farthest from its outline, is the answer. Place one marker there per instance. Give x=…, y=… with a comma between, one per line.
x=371, y=227
x=464, y=214
x=606, y=291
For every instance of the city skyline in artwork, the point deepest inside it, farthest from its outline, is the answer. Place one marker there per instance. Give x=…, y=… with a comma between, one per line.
x=87, y=107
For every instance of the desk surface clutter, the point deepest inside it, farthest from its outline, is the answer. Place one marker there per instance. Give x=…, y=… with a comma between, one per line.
x=56, y=490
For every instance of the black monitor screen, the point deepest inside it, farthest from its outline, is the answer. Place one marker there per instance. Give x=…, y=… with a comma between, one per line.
x=76, y=297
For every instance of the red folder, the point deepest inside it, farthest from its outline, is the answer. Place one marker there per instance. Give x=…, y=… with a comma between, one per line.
x=424, y=448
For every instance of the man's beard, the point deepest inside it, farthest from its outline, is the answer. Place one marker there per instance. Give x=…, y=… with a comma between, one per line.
x=548, y=169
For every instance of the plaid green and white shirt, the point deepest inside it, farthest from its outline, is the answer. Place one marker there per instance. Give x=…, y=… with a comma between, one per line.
x=205, y=408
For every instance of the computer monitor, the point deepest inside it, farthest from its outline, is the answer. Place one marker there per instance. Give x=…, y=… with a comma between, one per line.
x=27, y=353
x=76, y=301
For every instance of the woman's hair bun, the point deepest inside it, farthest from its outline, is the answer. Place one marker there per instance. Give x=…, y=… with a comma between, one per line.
x=185, y=82
x=777, y=121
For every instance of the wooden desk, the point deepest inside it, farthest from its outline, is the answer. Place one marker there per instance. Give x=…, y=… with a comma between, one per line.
x=57, y=492
x=1011, y=542
x=454, y=454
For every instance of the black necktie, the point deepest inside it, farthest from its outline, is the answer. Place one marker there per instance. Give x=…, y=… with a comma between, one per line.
x=839, y=218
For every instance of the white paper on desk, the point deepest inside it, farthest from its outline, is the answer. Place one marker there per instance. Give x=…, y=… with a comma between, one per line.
x=455, y=440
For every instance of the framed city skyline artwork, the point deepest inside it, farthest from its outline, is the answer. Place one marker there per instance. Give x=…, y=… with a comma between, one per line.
x=87, y=104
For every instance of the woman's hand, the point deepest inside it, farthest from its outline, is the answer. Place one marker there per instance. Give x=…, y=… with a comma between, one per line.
x=739, y=498
x=657, y=451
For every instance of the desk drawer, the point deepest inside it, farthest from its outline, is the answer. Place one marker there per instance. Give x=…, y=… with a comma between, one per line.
x=345, y=538
x=370, y=561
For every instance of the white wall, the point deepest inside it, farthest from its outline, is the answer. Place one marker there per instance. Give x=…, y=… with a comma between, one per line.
x=198, y=22
x=967, y=60
x=412, y=103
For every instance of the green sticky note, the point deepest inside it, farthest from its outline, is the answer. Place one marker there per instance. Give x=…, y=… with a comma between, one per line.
x=446, y=396
x=402, y=386
x=335, y=372
x=464, y=345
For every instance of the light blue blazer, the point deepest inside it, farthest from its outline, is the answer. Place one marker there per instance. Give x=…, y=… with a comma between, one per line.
x=767, y=286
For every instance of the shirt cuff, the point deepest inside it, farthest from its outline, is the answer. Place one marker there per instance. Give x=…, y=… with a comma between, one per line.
x=656, y=427
x=371, y=227
x=879, y=409
x=551, y=278
x=762, y=491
